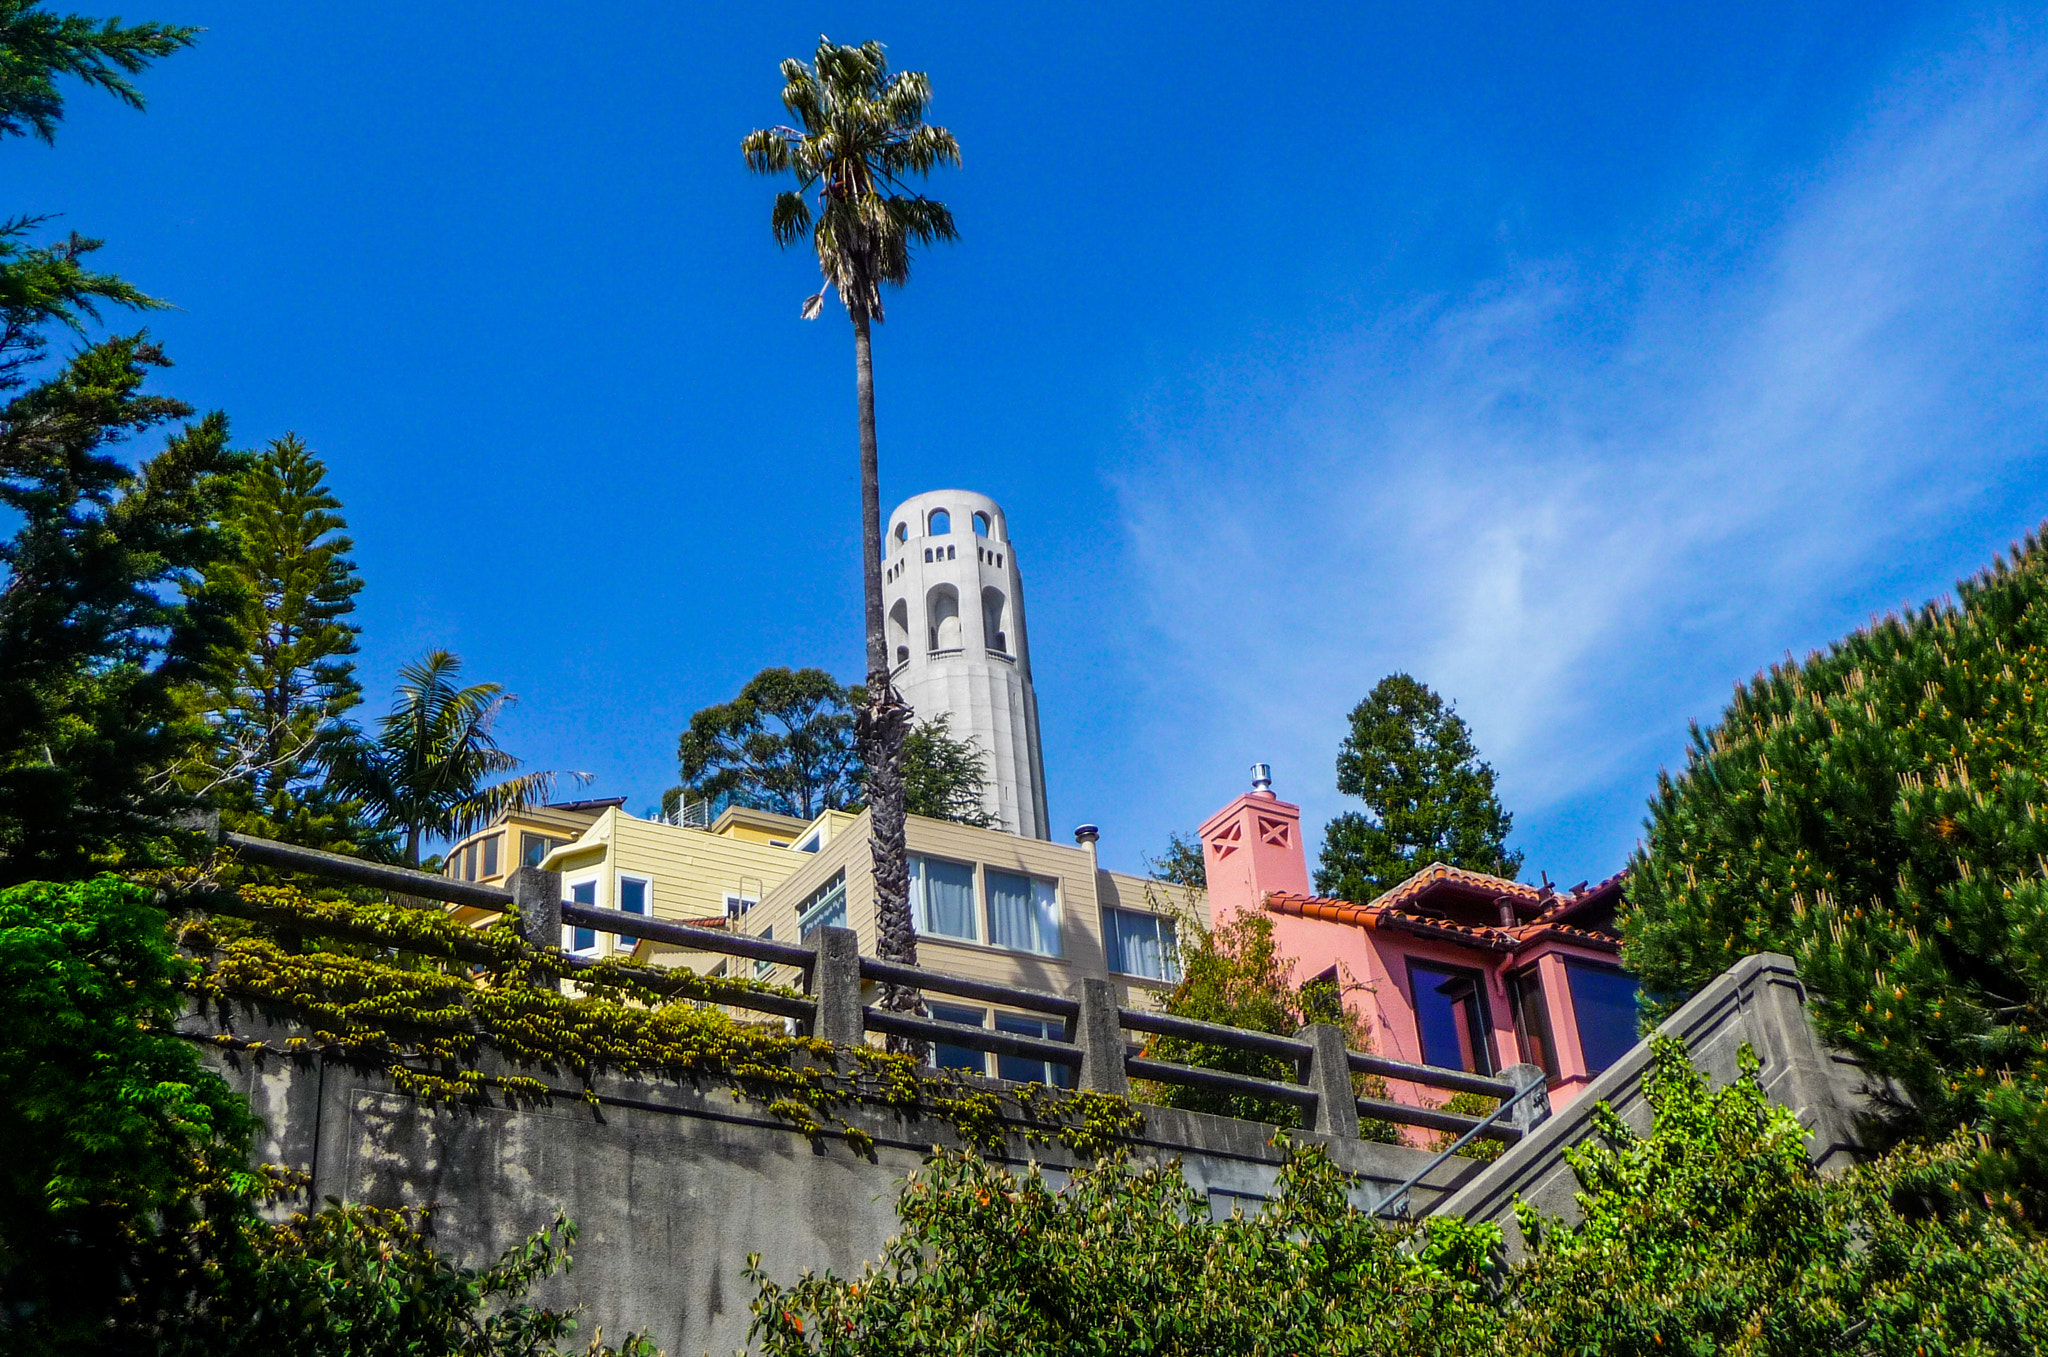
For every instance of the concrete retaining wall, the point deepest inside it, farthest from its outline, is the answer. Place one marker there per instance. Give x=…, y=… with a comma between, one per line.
x=672, y=1186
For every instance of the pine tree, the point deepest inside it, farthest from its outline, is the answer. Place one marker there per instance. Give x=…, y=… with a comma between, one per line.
x=96, y=643
x=1428, y=796
x=945, y=777
x=283, y=684
x=1880, y=812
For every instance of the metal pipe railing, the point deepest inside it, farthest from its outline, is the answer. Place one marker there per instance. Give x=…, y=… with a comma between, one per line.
x=1093, y=1041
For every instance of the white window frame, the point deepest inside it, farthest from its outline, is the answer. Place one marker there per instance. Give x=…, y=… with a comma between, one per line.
x=1059, y=911
x=737, y=905
x=977, y=906
x=619, y=880
x=570, y=885
x=1169, y=955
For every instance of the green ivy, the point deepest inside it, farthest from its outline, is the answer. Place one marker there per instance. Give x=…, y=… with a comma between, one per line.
x=396, y=998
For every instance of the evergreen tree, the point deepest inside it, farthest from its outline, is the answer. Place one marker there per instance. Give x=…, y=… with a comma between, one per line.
x=38, y=47
x=1880, y=812
x=944, y=778
x=1182, y=863
x=1428, y=796
x=281, y=687
x=96, y=643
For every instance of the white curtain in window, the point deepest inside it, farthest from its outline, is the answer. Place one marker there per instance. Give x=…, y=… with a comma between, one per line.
x=1141, y=944
x=942, y=898
x=1023, y=913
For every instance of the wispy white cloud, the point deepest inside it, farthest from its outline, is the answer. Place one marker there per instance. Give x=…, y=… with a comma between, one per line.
x=1584, y=500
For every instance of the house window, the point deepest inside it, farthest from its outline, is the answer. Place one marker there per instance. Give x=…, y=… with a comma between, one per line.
x=491, y=854
x=633, y=895
x=942, y=898
x=811, y=842
x=1140, y=944
x=1604, y=1002
x=583, y=893
x=738, y=905
x=1532, y=1019
x=1023, y=913
x=533, y=848
x=824, y=907
x=1451, y=1017
x=949, y=1057
x=762, y=969
x=1021, y=1069
x=469, y=863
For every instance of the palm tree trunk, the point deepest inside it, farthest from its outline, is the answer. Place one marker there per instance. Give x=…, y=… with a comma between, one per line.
x=882, y=722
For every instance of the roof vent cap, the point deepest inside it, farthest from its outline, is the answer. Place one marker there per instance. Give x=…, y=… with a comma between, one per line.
x=1262, y=777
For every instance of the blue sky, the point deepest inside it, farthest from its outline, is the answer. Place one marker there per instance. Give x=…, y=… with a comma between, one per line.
x=1580, y=360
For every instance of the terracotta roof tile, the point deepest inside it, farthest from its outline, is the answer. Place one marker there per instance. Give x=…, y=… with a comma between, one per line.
x=1388, y=912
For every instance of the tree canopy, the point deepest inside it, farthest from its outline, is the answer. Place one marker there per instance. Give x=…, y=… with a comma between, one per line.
x=1877, y=812
x=1428, y=796
x=786, y=744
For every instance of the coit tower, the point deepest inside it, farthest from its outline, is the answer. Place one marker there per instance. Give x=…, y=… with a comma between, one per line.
x=957, y=649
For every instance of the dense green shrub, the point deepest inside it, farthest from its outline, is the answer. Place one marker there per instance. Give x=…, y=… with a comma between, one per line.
x=1880, y=813
x=130, y=1220
x=1710, y=1234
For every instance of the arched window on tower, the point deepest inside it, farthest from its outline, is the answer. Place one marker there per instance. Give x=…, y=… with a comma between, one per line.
x=940, y=523
x=942, y=614
x=902, y=532
x=980, y=524
x=899, y=630
x=995, y=620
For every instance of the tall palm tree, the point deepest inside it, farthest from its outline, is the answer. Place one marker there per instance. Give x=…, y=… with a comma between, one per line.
x=863, y=134
x=426, y=771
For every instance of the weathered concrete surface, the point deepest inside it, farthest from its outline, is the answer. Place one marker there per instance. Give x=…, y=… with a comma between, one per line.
x=671, y=1187
x=1759, y=1002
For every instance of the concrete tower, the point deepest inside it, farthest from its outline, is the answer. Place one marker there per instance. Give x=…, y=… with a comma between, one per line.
x=955, y=604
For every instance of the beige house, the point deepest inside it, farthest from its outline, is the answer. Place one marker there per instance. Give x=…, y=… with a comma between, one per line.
x=704, y=876
x=988, y=904
x=993, y=906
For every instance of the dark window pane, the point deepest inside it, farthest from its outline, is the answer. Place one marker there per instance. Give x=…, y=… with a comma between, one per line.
x=1532, y=1019
x=1026, y=1071
x=1451, y=1018
x=1604, y=1001
x=950, y=1057
x=491, y=855
x=584, y=894
x=632, y=895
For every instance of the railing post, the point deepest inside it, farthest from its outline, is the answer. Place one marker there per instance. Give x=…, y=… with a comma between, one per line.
x=537, y=895
x=1534, y=1107
x=1100, y=1035
x=1329, y=1074
x=835, y=988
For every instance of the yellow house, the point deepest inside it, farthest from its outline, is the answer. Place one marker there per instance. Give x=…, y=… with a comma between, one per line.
x=522, y=838
x=992, y=906
x=987, y=904
x=612, y=860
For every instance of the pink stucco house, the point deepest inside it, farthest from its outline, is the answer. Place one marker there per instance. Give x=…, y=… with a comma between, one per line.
x=1450, y=968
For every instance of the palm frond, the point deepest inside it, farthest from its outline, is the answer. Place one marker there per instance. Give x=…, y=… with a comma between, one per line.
x=791, y=217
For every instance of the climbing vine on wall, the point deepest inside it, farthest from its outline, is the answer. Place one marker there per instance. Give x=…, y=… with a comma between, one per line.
x=456, y=1014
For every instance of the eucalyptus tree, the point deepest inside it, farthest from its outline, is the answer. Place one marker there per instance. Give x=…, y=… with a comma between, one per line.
x=862, y=136
x=427, y=770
